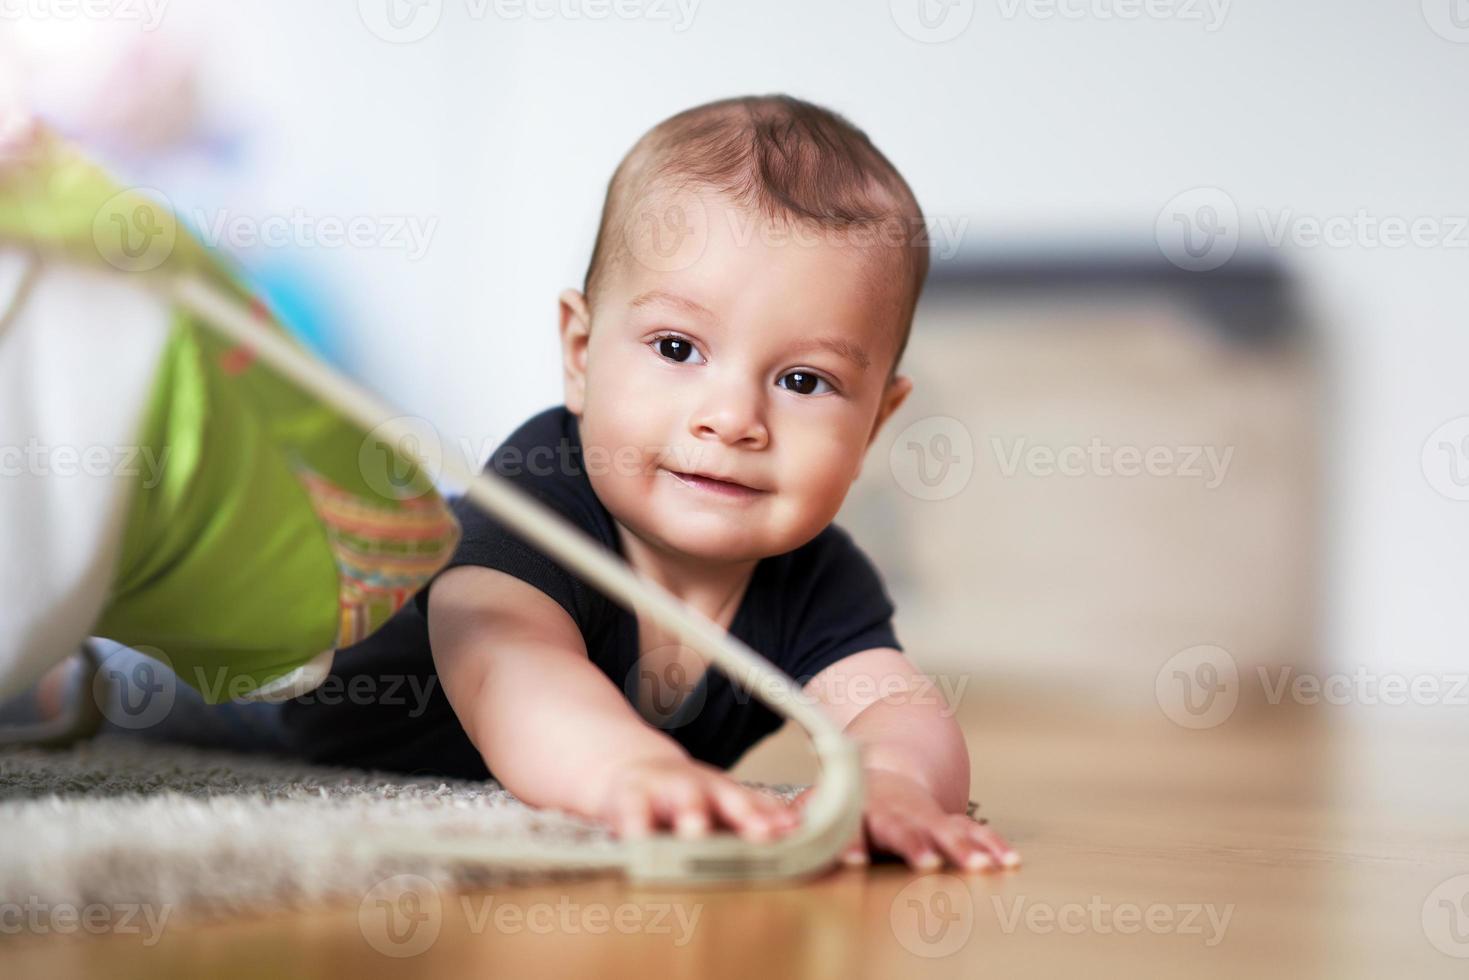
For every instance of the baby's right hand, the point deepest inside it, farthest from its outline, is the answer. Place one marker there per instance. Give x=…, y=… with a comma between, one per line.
x=689, y=798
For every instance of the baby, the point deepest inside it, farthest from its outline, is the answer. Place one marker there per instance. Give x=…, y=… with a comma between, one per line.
x=729, y=361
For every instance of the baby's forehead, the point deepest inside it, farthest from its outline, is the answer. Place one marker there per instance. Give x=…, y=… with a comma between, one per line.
x=684, y=227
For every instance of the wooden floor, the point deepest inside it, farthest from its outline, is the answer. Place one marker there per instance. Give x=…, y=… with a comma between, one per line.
x=1301, y=842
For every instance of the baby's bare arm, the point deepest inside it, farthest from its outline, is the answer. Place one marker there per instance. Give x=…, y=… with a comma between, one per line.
x=915, y=760
x=554, y=731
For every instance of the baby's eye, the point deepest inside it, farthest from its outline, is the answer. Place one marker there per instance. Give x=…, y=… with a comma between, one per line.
x=676, y=349
x=806, y=383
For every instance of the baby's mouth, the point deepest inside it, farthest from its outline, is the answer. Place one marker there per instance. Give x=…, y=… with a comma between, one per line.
x=710, y=485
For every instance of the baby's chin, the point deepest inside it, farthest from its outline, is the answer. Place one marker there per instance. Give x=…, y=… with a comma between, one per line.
x=712, y=538
x=715, y=545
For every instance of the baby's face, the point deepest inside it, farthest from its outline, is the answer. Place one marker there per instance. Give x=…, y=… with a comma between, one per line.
x=737, y=354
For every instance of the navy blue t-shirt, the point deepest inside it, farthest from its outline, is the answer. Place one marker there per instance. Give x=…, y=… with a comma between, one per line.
x=802, y=610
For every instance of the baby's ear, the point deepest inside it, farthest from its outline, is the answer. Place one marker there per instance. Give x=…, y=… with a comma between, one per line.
x=896, y=392
x=576, y=328
x=893, y=395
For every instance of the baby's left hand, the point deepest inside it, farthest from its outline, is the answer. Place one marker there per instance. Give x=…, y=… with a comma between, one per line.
x=903, y=818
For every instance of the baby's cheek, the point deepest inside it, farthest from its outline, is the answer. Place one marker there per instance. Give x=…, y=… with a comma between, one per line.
x=814, y=487
x=828, y=464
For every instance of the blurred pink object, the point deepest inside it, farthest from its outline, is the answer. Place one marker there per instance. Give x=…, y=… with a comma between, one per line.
x=19, y=131
x=129, y=92
x=146, y=100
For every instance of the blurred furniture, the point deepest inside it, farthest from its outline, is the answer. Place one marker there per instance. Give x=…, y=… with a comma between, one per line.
x=1062, y=556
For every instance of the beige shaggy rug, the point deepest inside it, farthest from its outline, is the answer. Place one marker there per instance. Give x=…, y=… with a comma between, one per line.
x=121, y=820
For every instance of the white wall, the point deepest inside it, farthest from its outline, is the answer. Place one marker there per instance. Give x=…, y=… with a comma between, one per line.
x=1042, y=130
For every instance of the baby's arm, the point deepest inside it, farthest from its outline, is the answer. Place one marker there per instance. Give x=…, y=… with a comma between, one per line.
x=915, y=762
x=552, y=728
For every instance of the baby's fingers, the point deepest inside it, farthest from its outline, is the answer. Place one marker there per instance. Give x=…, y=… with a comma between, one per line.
x=682, y=805
x=855, y=853
x=632, y=814
x=897, y=836
x=751, y=814
x=953, y=834
x=1004, y=855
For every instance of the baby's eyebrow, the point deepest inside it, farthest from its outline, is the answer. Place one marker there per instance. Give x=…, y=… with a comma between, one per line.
x=840, y=346
x=653, y=296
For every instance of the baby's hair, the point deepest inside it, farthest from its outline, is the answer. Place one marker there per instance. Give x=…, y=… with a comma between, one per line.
x=791, y=160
